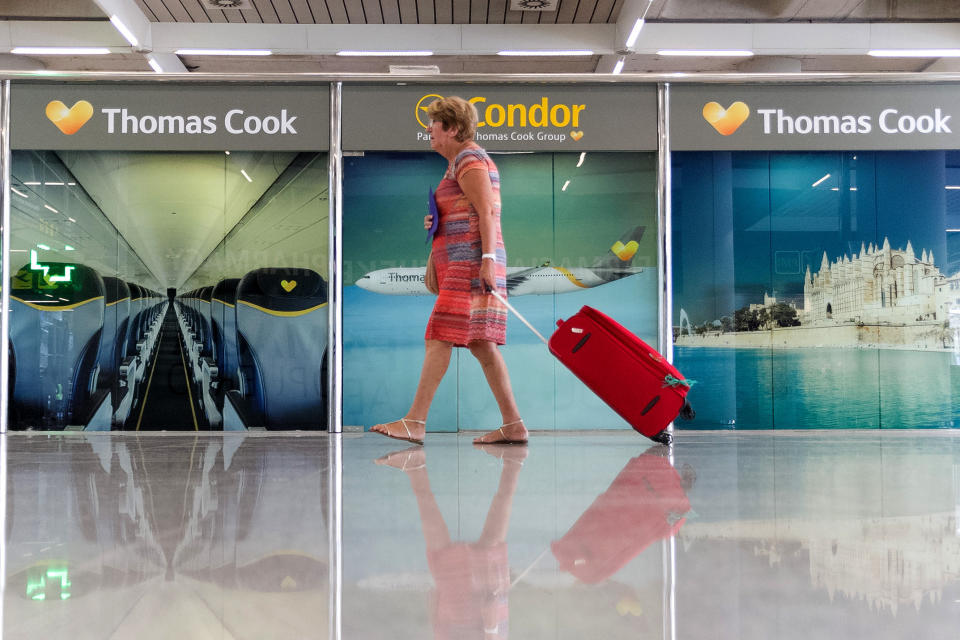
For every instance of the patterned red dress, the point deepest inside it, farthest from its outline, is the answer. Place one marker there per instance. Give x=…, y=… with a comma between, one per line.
x=463, y=312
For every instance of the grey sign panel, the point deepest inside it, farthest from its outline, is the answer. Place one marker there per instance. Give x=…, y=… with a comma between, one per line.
x=814, y=117
x=538, y=117
x=155, y=117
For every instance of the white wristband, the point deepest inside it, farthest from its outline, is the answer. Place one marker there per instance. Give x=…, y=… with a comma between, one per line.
x=492, y=256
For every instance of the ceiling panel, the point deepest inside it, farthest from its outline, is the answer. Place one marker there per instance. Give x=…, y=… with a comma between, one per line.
x=155, y=10
x=684, y=14
x=50, y=9
x=337, y=11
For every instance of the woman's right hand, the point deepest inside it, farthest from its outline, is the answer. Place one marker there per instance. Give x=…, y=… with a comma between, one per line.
x=427, y=221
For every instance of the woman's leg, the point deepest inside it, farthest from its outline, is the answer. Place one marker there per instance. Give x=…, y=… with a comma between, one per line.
x=413, y=462
x=495, y=370
x=436, y=359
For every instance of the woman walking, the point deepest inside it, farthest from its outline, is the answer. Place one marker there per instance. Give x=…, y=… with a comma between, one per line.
x=470, y=260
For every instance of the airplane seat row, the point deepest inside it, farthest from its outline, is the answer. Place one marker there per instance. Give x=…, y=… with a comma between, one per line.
x=223, y=321
x=70, y=332
x=55, y=329
x=113, y=344
x=268, y=338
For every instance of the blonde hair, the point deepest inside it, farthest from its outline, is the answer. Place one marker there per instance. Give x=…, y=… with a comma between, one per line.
x=454, y=111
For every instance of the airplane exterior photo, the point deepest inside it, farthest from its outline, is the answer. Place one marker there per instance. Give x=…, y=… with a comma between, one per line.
x=546, y=279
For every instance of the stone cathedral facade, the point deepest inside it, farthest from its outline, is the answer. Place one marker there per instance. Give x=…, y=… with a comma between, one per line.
x=879, y=284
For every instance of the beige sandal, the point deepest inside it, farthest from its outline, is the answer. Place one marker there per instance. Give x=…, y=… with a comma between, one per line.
x=409, y=437
x=505, y=439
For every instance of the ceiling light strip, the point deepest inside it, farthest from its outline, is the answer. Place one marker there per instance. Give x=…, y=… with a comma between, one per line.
x=707, y=53
x=223, y=52
x=384, y=53
x=914, y=53
x=551, y=52
x=635, y=32
x=124, y=31
x=60, y=51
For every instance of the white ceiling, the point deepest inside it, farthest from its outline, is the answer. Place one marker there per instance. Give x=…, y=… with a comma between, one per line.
x=305, y=35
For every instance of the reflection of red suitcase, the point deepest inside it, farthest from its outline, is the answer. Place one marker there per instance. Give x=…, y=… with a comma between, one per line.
x=628, y=374
x=645, y=503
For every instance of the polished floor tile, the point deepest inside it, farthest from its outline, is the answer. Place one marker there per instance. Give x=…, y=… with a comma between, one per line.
x=831, y=534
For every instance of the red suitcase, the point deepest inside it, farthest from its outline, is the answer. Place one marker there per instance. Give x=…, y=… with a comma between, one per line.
x=624, y=371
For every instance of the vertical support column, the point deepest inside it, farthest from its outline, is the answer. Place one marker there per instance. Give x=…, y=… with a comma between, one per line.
x=664, y=232
x=4, y=329
x=335, y=368
x=670, y=580
x=335, y=267
x=5, y=256
x=335, y=534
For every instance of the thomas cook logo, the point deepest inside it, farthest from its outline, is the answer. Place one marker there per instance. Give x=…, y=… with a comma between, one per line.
x=69, y=120
x=420, y=111
x=728, y=120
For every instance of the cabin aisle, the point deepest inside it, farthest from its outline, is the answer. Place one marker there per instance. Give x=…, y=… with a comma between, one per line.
x=168, y=402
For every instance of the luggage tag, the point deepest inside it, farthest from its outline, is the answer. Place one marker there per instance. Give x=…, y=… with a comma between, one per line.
x=436, y=216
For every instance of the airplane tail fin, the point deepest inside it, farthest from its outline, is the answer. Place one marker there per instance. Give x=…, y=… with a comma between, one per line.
x=621, y=254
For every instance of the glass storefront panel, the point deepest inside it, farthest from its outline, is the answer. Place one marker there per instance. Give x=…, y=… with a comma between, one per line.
x=106, y=234
x=563, y=217
x=836, y=274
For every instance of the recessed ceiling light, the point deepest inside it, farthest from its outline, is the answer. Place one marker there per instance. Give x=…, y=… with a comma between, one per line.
x=223, y=52
x=553, y=52
x=384, y=53
x=707, y=53
x=914, y=53
x=124, y=31
x=61, y=51
x=635, y=32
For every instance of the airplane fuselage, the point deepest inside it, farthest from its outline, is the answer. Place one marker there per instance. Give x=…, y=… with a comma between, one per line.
x=547, y=280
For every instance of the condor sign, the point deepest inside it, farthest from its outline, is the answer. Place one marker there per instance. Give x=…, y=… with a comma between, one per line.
x=170, y=118
x=801, y=118
x=511, y=117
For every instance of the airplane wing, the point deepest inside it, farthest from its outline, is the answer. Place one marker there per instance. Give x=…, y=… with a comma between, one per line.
x=516, y=278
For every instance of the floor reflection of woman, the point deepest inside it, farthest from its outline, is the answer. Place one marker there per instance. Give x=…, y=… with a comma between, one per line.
x=472, y=580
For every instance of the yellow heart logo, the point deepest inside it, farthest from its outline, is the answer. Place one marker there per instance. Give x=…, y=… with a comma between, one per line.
x=69, y=120
x=288, y=285
x=728, y=120
x=576, y=135
x=625, y=252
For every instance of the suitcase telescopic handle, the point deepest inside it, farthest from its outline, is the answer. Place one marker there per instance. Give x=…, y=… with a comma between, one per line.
x=509, y=306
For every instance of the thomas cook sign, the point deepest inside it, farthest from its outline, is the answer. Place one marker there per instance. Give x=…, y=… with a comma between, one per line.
x=169, y=118
x=510, y=118
x=814, y=118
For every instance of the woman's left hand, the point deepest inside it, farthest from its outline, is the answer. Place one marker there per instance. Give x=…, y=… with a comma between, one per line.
x=488, y=275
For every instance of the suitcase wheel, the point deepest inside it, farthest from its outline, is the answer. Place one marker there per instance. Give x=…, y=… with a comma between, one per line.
x=663, y=437
x=687, y=412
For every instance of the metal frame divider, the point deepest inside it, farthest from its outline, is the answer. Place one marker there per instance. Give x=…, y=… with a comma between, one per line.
x=335, y=264
x=335, y=364
x=4, y=327
x=5, y=160
x=665, y=333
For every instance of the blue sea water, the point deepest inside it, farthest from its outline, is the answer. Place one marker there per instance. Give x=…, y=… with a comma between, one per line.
x=821, y=388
